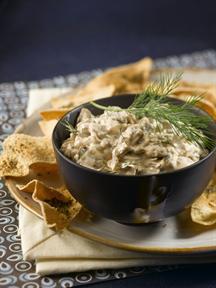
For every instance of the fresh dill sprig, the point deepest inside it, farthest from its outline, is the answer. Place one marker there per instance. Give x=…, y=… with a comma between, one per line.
x=158, y=90
x=153, y=103
x=69, y=126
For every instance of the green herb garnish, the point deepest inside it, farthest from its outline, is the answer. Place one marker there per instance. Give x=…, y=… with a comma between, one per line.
x=152, y=103
x=69, y=126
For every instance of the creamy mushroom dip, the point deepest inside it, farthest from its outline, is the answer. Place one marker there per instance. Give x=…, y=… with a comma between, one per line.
x=119, y=143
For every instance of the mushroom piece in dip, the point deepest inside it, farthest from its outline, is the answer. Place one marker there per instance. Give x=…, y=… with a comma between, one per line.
x=120, y=143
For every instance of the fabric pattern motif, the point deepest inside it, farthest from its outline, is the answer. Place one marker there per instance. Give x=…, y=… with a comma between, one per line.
x=14, y=272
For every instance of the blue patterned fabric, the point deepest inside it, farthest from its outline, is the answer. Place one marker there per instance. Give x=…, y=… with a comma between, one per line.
x=14, y=272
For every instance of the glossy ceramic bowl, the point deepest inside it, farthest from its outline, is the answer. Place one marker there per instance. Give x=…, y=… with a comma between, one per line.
x=132, y=199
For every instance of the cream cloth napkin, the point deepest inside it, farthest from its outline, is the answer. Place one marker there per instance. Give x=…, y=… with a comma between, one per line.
x=67, y=252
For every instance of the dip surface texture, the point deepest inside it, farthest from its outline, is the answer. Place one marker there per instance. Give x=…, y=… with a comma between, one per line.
x=119, y=143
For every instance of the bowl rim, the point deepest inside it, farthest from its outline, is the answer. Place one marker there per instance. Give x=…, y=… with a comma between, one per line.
x=70, y=161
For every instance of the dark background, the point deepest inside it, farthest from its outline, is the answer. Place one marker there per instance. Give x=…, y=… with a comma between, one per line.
x=44, y=38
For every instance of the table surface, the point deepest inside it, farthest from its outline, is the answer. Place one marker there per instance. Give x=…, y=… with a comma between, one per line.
x=42, y=39
x=13, y=99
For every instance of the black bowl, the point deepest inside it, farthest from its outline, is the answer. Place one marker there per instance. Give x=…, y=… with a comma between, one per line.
x=117, y=197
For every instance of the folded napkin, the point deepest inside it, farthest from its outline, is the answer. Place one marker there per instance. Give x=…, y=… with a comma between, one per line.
x=67, y=252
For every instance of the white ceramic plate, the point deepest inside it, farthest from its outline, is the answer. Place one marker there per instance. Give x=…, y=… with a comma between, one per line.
x=174, y=235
